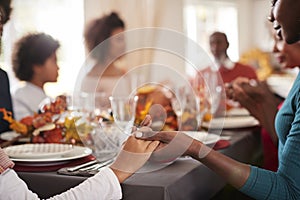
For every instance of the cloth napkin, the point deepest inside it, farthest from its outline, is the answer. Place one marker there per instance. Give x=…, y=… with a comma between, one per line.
x=27, y=168
x=89, y=173
x=221, y=144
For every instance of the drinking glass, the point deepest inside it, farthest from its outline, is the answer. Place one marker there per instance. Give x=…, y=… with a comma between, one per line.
x=208, y=94
x=103, y=140
x=178, y=101
x=123, y=109
x=212, y=92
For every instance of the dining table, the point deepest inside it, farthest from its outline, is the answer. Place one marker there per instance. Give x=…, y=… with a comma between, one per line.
x=185, y=178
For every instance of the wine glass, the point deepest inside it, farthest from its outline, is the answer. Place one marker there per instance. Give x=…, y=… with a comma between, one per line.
x=213, y=91
x=123, y=109
x=178, y=101
x=208, y=95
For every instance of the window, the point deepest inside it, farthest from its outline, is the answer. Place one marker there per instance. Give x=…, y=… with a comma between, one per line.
x=203, y=17
x=63, y=20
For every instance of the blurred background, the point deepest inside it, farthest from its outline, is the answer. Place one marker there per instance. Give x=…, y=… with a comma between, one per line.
x=242, y=21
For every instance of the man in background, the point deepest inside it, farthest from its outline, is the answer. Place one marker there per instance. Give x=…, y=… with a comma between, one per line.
x=228, y=70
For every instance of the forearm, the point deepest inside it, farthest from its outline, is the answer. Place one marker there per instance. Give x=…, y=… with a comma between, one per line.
x=265, y=112
x=104, y=185
x=122, y=176
x=235, y=173
x=268, y=113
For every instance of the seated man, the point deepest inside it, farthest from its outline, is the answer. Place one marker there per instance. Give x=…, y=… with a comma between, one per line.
x=228, y=70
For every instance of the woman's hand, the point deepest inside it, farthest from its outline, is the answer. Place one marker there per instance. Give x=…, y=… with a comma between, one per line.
x=172, y=144
x=258, y=99
x=133, y=156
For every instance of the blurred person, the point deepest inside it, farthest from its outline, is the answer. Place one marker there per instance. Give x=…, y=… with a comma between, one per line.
x=253, y=181
x=260, y=101
x=5, y=99
x=103, y=185
x=228, y=69
x=106, y=70
x=257, y=96
x=34, y=61
x=5, y=96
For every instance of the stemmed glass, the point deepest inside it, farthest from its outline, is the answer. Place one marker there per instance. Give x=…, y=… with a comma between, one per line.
x=178, y=101
x=208, y=94
x=212, y=92
x=123, y=109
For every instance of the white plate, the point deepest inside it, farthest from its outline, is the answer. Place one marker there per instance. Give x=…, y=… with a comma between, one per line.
x=237, y=112
x=206, y=138
x=281, y=85
x=231, y=122
x=77, y=152
x=43, y=150
x=9, y=135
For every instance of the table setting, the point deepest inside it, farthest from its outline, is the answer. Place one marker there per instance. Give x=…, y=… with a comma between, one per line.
x=65, y=160
x=51, y=140
x=69, y=163
x=96, y=133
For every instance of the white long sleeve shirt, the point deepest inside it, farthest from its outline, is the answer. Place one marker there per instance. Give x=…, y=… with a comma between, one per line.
x=104, y=185
x=26, y=100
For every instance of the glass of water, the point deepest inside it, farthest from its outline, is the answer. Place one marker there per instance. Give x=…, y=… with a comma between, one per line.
x=124, y=109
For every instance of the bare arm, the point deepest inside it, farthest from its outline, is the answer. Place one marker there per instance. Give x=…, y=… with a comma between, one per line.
x=233, y=172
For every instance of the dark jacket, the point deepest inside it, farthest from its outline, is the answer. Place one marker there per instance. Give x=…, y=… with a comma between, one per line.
x=5, y=100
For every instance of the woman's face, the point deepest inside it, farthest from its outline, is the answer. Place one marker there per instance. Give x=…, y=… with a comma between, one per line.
x=285, y=16
x=117, y=44
x=49, y=70
x=286, y=54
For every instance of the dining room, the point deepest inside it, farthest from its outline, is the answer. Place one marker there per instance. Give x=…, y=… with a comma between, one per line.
x=133, y=73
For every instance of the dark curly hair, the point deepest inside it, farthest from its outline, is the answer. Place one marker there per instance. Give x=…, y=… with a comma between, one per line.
x=5, y=4
x=32, y=49
x=99, y=30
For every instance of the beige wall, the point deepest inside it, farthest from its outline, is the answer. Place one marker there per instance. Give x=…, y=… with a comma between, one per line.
x=253, y=25
x=252, y=14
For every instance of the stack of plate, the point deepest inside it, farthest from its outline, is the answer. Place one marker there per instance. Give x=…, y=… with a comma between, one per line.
x=45, y=154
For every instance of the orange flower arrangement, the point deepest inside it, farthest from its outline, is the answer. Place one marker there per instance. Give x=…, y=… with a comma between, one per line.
x=46, y=127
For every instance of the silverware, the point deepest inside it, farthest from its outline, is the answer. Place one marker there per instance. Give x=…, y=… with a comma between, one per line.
x=11, y=142
x=72, y=169
x=96, y=166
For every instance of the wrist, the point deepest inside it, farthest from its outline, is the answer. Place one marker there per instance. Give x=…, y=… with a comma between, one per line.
x=194, y=149
x=122, y=176
x=198, y=150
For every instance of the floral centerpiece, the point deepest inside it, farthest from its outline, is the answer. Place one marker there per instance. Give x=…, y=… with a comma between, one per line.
x=52, y=125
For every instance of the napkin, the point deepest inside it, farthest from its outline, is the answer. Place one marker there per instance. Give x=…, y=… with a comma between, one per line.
x=221, y=144
x=64, y=171
x=27, y=168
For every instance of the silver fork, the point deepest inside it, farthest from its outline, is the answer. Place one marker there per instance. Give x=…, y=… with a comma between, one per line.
x=72, y=169
x=96, y=166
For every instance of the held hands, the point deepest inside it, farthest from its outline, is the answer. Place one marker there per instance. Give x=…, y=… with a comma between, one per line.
x=133, y=155
x=258, y=99
x=173, y=144
x=252, y=95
